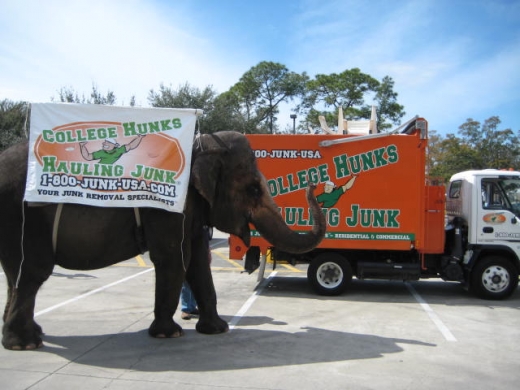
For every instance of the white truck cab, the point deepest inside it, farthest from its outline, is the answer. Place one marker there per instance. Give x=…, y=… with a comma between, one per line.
x=484, y=208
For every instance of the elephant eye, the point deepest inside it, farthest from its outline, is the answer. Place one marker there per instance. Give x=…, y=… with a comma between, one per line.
x=254, y=191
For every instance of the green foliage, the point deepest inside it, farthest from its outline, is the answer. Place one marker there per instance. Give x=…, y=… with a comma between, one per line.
x=389, y=112
x=478, y=147
x=260, y=91
x=226, y=114
x=14, y=119
x=69, y=95
x=186, y=96
x=349, y=90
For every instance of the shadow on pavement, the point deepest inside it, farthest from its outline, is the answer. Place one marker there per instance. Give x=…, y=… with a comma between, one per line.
x=239, y=349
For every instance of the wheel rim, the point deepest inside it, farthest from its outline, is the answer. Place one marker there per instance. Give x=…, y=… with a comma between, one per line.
x=329, y=275
x=495, y=279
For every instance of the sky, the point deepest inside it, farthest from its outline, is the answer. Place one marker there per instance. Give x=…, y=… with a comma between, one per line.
x=450, y=59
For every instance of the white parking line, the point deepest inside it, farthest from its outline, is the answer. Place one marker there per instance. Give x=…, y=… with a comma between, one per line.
x=245, y=307
x=436, y=320
x=91, y=292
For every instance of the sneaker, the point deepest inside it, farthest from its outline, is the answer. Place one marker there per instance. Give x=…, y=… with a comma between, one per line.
x=194, y=312
x=185, y=315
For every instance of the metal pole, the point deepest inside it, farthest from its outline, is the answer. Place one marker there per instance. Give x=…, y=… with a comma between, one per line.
x=293, y=117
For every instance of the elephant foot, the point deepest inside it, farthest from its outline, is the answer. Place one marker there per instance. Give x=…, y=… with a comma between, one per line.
x=17, y=341
x=165, y=329
x=215, y=326
x=28, y=347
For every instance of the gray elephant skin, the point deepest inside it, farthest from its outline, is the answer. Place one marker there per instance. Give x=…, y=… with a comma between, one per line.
x=226, y=191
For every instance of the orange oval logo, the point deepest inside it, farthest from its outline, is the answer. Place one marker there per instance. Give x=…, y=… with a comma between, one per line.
x=494, y=218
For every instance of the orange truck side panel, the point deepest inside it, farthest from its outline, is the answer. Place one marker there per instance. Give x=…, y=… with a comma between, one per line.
x=373, y=191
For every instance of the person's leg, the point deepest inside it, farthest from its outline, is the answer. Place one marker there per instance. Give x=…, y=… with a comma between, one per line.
x=188, y=303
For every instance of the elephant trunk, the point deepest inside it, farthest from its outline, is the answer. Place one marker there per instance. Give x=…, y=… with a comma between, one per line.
x=272, y=227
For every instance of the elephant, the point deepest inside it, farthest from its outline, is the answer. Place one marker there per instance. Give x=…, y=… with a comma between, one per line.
x=226, y=191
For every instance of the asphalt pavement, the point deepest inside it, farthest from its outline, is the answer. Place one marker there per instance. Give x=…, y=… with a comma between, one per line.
x=378, y=335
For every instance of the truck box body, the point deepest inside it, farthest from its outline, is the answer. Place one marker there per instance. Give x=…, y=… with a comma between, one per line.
x=389, y=206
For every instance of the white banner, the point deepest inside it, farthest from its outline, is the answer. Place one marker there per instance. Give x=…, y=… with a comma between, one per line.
x=110, y=156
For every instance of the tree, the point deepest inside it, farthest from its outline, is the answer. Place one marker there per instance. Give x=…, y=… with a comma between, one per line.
x=69, y=95
x=186, y=96
x=14, y=122
x=497, y=148
x=226, y=114
x=349, y=90
x=387, y=107
x=450, y=155
x=260, y=91
x=479, y=147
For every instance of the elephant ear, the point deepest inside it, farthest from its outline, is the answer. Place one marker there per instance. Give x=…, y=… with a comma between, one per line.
x=205, y=174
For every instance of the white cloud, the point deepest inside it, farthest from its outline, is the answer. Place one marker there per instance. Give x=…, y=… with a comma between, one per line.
x=128, y=47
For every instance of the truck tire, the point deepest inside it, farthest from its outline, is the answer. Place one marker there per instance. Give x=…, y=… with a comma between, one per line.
x=494, y=277
x=329, y=274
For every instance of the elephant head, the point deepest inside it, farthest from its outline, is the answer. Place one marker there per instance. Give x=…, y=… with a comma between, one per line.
x=225, y=173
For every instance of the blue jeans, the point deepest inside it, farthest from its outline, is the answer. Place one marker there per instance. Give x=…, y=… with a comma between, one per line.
x=188, y=302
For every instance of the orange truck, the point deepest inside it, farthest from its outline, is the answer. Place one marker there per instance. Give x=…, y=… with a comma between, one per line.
x=386, y=219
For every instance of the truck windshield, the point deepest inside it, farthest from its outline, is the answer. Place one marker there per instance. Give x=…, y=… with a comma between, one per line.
x=501, y=193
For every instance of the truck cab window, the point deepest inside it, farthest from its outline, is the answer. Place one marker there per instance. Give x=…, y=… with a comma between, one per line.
x=502, y=194
x=454, y=191
x=491, y=196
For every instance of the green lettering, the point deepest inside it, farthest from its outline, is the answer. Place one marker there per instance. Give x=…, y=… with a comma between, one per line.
x=379, y=218
x=313, y=175
x=165, y=125
x=273, y=188
x=102, y=133
x=324, y=174
x=365, y=217
x=368, y=163
x=341, y=165
x=355, y=164
x=292, y=186
x=393, y=155
x=353, y=220
x=302, y=177
x=62, y=167
x=392, y=218
x=154, y=127
x=129, y=129
x=380, y=159
x=49, y=164
x=333, y=217
x=48, y=135
x=177, y=124
x=290, y=215
x=283, y=190
x=301, y=221
x=91, y=134
x=112, y=132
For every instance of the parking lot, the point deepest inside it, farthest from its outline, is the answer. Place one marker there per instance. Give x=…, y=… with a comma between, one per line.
x=378, y=335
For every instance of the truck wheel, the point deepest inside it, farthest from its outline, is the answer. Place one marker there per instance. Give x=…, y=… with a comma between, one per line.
x=494, y=278
x=329, y=274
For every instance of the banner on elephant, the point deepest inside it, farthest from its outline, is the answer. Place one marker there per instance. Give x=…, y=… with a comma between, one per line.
x=110, y=156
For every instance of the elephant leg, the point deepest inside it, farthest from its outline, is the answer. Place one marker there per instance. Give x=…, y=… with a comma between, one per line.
x=167, y=293
x=20, y=331
x=201, y=283
x=166, y=249
x=169, y=276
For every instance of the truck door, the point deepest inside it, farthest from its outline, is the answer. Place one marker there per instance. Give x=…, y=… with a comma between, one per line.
x=497, y=219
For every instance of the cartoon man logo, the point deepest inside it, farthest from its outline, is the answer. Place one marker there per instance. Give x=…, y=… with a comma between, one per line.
x=331, y=194
x=111, y=151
